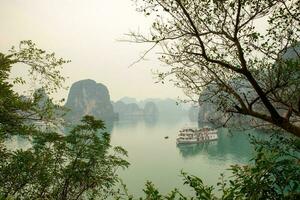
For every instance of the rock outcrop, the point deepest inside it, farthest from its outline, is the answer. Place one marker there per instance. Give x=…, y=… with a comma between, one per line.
x=193, y=113
x=86, y=97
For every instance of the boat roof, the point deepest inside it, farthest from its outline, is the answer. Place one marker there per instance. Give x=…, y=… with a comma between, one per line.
x=195, y=128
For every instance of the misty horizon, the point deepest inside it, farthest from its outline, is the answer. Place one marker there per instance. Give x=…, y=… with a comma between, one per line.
x=88, y=34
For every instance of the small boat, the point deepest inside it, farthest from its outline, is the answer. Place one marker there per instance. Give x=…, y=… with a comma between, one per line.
x=166, y=137
x=196, y=135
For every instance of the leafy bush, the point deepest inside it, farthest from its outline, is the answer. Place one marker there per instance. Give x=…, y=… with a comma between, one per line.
x=76, y=165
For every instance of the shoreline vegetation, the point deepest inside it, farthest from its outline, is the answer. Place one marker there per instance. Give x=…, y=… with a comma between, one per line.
x=214, y=53
x=53, y=167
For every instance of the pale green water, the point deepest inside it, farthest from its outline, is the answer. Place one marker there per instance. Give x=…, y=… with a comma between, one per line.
x=160, y=160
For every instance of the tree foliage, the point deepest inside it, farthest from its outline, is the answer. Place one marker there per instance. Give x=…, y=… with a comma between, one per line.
x=218, y=50
x=79, y=164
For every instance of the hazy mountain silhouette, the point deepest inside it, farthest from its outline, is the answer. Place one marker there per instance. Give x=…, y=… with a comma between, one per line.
x=86, y=97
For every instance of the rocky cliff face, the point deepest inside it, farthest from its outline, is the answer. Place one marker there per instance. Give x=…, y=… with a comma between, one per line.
x=193, y=113
x=87, y=97
x=208, y=111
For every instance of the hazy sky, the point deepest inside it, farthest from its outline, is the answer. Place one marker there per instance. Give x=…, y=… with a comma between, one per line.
x=86, y=32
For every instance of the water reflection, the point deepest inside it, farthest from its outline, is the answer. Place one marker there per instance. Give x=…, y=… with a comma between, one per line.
x=151, y=120
x=233, y=145
x=157, y=159
x=190, y=150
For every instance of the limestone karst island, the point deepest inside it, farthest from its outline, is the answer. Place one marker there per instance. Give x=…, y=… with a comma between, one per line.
x=150, y=100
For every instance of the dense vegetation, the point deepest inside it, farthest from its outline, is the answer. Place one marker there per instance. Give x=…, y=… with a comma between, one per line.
x=216, y=51
x=80, y=165
x=74, y=165
x=243, y=71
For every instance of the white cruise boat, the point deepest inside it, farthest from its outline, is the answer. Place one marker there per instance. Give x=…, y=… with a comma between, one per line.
x=196, y=135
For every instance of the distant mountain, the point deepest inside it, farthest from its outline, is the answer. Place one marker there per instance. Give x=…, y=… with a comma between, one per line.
x=165, y=107
x=134, y=111
x=151, y=109
x=86, y=97
x=168, y=107
x=128, y=100
x=127, y=110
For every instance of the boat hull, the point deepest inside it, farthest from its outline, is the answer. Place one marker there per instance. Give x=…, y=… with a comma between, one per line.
x=194, y=141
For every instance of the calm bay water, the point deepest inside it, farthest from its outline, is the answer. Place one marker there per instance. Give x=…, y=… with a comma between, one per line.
x=160, y=160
